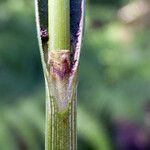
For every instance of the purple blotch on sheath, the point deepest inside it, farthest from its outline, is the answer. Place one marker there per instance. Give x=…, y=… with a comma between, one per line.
x=44, y=34
x=75, y=16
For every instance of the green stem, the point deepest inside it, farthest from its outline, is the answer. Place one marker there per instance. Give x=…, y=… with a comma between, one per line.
x=60, y=125
x=59, y=72
x=61, y=97
x=59, y=24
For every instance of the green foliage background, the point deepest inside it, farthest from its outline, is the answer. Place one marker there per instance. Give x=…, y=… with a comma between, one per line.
x=114, y=82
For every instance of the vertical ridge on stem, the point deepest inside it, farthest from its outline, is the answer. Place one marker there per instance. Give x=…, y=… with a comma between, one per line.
x=61, y=128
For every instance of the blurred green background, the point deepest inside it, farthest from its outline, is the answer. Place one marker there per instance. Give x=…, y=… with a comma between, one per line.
x=114, y=82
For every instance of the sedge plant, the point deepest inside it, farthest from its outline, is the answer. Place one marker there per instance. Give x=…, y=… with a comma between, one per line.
x=60, y=28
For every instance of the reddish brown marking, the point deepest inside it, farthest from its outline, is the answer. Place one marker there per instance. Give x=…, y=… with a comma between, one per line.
x=59, y=62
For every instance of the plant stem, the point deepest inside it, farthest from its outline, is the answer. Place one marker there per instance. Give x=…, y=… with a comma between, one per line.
x=61, y=97
x=59, y=24
x=54, y=28
x=61, y=126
